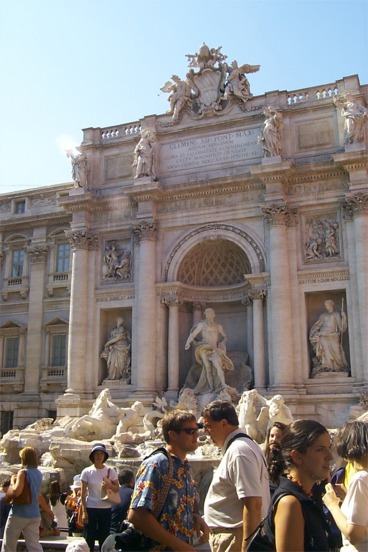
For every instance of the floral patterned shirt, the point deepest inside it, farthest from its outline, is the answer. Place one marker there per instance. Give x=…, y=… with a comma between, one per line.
x=177, y=513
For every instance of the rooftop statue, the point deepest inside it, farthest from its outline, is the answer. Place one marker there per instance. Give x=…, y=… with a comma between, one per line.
x=210, y=86
x=355, y=116
x=79, y=168
x=146, y=155
x=271, y=133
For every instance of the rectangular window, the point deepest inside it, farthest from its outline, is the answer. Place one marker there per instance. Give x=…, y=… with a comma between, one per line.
x=11, y=352
x=58, y=350
x=62, y=257
x=20, y=207
x=17, y=263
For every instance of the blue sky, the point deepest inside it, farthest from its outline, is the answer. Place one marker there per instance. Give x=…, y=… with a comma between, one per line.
x=73, y=64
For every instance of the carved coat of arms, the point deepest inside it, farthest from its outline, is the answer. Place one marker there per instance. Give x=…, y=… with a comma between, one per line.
x=211, y=86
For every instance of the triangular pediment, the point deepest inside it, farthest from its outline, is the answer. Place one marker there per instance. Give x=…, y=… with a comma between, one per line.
x=57, y=321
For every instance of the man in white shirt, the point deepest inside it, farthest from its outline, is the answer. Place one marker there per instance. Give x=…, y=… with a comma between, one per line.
x=239, y=495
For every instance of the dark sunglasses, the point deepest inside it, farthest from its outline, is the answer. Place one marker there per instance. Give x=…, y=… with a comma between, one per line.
x=188, y=430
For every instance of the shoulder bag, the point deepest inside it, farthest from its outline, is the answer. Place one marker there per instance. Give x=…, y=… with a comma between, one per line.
x=109, y=495
x=25, y=496
x=130, y=538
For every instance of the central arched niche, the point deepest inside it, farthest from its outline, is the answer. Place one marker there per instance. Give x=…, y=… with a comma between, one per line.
x=214, y=262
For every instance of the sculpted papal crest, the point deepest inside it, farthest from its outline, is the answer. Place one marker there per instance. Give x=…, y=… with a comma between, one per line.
x=211, y=86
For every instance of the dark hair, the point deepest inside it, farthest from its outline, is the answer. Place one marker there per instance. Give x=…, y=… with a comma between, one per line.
x=352, y=440
x=55, y=492
x=5, y=483
x=275, y=462
x=174, y=421
x=300, y=435
x=221, y=410
x=125, y=477
x=279, y=425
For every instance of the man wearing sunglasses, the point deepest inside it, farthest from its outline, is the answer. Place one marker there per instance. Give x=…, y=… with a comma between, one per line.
x=239, y=494
x=178, y=523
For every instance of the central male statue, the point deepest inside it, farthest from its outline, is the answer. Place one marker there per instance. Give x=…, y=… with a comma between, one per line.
x=210, y=353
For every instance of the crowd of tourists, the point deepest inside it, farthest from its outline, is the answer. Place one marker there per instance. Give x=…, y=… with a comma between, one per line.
x=283, y=496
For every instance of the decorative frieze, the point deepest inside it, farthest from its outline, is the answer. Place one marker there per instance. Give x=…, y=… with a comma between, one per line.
x=322, y=241
x=37, y=253
x=323, y=276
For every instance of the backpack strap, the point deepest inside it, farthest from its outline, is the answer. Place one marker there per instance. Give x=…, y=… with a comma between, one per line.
x=263, y=521
x=164, y=491
x=237, y=436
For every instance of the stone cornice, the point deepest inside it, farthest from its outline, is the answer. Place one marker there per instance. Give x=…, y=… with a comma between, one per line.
x=193, y=294
x=124, y=294
x=324, y=275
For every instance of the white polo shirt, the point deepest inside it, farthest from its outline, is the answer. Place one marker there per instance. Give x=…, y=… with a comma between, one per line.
x=242, y=473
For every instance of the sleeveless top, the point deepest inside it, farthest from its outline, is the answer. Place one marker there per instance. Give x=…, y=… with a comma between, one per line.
x=34, y=478
x=317, y=536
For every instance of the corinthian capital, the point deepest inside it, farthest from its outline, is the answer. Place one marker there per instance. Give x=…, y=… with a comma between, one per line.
x=355, y=203
x=145, y=230
x=37, y=253
x=82, y=239
x=257, y=292
x=280, y=214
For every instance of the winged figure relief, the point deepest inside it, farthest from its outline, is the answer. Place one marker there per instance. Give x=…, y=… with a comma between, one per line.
x=180, y=93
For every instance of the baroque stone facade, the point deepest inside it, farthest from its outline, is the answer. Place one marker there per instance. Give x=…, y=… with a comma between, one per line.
x=183, y=211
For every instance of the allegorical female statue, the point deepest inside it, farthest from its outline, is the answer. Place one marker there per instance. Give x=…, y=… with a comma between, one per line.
x=117, y=352
x=326, y=336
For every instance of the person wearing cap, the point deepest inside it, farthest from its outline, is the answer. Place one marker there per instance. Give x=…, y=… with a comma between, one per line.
x=72, y=503
x=96, y=513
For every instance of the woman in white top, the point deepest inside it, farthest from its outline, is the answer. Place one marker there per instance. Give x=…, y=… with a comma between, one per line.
x=352, y=517
x=96, y=513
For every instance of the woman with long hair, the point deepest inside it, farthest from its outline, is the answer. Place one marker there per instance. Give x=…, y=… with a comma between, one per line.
x=352, y=517
x=24, y=518
x=298, y=522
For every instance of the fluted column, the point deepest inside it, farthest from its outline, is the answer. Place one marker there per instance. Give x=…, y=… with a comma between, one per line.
x=257, y=295
x=38, y=256
x=173, y=341
x=82, y=241
x=280, y=216
x=356, y=206
x=145, y=376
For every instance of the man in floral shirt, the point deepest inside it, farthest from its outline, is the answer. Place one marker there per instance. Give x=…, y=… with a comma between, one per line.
x=178, y=522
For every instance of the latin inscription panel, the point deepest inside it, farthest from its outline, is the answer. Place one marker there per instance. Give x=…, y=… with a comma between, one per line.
x=210, y=151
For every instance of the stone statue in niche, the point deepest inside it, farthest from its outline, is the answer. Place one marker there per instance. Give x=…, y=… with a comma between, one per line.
x=355, y=116
x=210, y=352
x=79, y=168
x=146, y=156
x=116, y=263
x=326, y=339
x=322, y=239
x=116, y=352
x=270, y=138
